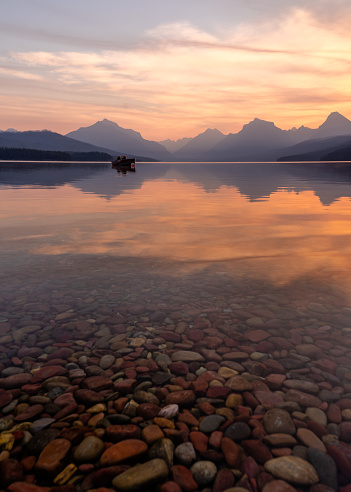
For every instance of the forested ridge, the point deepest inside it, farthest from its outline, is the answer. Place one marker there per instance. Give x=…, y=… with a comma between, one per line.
x=16, y=154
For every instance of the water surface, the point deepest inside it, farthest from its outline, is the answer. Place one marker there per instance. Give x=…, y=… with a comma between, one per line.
x=227, y=228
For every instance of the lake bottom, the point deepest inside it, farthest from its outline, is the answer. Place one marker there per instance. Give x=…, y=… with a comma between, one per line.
x=126, y=373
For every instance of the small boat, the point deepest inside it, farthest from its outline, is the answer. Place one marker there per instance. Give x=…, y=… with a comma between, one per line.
x=123, y=162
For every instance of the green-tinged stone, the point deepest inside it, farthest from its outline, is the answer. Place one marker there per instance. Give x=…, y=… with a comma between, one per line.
x=141, y=476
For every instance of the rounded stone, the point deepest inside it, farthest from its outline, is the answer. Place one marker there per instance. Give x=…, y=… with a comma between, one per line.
x=278, y=486
x=122, y=451
x=164, y=449
x=325, y=467
x=186, y=356
x=279, y=421
x=204, y=472
x=238, y=383
x=238, y=431
x=90, y=449
x=292, y=469
x=107, y=361
x=50, y=459
x=309, y=439
x=317, y=415
x=142, y=476
x=185, y=453
x=169, y=411
x=211, y=423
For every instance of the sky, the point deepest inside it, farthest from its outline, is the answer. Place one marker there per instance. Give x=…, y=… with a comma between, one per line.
x=173, y=68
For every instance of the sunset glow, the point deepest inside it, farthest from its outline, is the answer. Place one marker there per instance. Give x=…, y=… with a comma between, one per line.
x=174, y=73
x=288, y=233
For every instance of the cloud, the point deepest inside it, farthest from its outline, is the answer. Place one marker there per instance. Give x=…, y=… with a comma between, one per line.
x=189, y=76
x=19, y=74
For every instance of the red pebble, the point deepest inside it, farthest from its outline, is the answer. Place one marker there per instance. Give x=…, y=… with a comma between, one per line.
x=232, y=452
x=184, y=478
x=199, y=440
x=215, y=439
x=341, y=453
x=224, y=480
x=169, y=487
x=257, y=450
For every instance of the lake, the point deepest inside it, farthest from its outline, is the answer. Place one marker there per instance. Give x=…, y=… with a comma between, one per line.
x=276, y=222
x=247, y=264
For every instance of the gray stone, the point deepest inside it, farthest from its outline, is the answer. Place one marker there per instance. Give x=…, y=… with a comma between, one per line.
x=41, y=424
x=211, y=423
x=325, y=467
x=204, y=472
x=107, y=361
x=238, y=431
x=185, y=453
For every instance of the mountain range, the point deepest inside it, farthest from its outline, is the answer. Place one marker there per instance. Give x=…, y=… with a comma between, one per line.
x=258, y=141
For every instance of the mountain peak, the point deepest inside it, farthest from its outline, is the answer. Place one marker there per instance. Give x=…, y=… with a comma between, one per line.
x=336, y=118
x=257, y=122
x=335, y=124
x=212, y=130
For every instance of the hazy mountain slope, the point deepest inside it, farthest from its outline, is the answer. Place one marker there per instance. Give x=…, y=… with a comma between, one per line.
x=342, y=154
x=314, y=149
x=108, y=134
x=198, y=145
x=173, y=145
x=334, y=125
x=300, y=134
x=46, y=140
x=254, y=138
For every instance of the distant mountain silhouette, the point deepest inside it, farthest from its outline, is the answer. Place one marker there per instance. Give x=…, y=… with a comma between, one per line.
x=199, y=145
x=110, y=135
x=334, y=125
x=258, y=141
x=250, y=143
x=300, y=134
x=46, y=140
x=173, y=145
x=316, y=149
x=342, y=154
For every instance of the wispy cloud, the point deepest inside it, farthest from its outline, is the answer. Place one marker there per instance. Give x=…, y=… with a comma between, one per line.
x=182, y=77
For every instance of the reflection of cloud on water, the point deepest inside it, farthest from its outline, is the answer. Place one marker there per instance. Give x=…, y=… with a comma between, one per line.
x=286, y=235
x=193, y=216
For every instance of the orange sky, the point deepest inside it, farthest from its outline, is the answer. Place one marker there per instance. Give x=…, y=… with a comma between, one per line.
x=170, y=74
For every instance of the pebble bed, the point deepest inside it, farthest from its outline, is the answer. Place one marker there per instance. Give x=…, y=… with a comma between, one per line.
x=115, y=377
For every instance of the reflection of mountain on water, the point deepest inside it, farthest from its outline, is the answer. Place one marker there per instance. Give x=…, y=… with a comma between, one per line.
x=256, y=181
x=45, y=174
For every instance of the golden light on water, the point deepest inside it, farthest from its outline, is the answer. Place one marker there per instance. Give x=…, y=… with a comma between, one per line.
x=287, y=233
